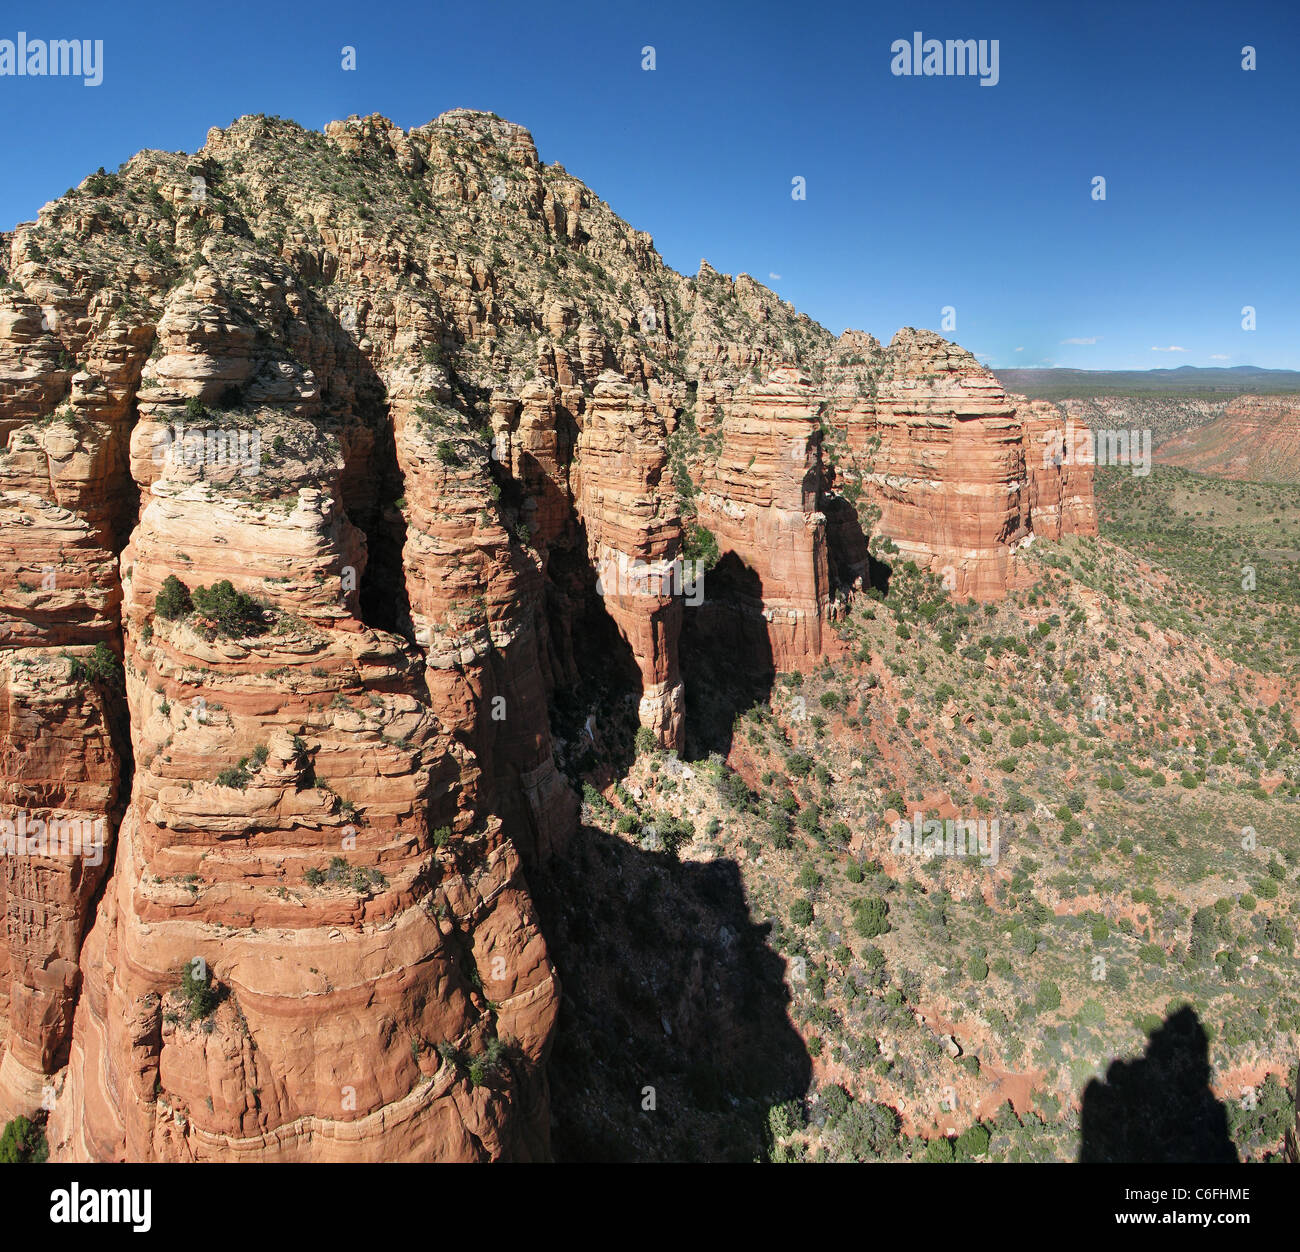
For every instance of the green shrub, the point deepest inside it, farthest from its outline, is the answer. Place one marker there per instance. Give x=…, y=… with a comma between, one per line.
x=867, y=1131
x=197, y=990
x=1024, y=940
x=701, y=545
x=938, y=1151
x=23, y=1142
x=798, y=764
x=870, y=917
x=236, y=776
x=101, y=666
x=173, y=599
x=228, y=612
x=972, y=1142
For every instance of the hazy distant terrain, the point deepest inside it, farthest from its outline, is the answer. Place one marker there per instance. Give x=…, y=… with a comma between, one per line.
x=1166, y=416
x=1257, y=438
x=1057, y=384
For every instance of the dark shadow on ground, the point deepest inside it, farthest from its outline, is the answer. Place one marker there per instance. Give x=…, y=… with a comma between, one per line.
x=668, y=984
x=594, y=671
x=1158, y=1108
x=847, y=548
x=726, y=656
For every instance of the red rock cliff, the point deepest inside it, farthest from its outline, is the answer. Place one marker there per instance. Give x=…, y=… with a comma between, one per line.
x=447, y=427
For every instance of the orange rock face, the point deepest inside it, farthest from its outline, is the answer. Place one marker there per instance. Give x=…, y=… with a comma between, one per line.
x=310, y=822
x=958, y=468
x=448, y=428
x=1060, y=485
x=634, y=537
x=59, y=778
x=761, y=498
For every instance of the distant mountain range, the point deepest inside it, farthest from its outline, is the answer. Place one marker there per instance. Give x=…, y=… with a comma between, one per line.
x=1055, y=384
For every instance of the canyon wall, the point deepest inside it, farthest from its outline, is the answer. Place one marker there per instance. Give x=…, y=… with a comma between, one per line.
x=1257, y=438
x=344, y=475
x=961, y=472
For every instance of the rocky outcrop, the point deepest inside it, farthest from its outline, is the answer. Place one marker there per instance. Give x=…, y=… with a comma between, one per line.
x=959, y=471
x=760, y=496
x=60, y=775
x=308, y=827
x=424, y=432
x=62, y=716
x=634, y=539
x=1059, y=499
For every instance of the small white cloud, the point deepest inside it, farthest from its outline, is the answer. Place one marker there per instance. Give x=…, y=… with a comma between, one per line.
x=1020, y=349
x=1082, y=341
x=771, y=275
x=1173, y=347
x=1220, y=356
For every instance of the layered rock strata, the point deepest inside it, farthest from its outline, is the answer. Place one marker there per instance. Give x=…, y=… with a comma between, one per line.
x=407, y=416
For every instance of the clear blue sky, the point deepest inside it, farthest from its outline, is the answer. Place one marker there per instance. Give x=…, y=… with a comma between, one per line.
x=921, y=192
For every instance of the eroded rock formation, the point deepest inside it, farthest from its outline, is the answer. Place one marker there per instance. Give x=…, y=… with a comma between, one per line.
x=447, y=427
x=962, y=473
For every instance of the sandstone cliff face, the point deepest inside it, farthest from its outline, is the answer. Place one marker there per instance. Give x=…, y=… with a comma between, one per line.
x=336, y=992
x=442, y=419
x=761, y=497
x=1060, y=485
x=61, y=736
x=961, y=472
x=630, y=521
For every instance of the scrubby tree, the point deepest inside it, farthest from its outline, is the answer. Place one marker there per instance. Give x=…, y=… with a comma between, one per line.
x=173, y=599
x=23, y=1141
x=229, y=612
x=870, y=917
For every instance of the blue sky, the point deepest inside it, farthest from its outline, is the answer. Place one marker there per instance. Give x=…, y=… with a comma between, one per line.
x=922, y=192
